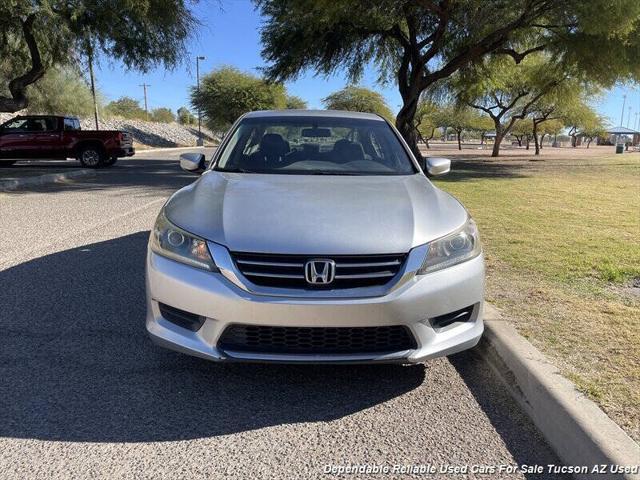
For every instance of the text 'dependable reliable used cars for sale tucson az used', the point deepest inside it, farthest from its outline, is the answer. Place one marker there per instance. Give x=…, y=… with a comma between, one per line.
x=314, y=236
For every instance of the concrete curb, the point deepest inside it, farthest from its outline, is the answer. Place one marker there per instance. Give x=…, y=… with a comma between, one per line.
x=168, y=149
x=575, y=427
x=8, y=185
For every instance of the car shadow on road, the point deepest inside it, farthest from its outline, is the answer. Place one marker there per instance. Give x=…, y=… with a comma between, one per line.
x=524, y=441
x=76, y=364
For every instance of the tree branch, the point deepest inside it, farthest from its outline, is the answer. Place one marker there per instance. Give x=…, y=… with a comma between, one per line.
x=17, y=86
x=518, y=57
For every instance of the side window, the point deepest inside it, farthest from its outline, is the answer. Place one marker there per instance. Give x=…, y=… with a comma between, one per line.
x=36, y=125
x=71, y=124
x=18, y=125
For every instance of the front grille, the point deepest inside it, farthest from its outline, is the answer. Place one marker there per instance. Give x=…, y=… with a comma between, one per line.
x=287, y=271
x=316, y=340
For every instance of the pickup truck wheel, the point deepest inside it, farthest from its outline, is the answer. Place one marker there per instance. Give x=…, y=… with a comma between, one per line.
x=91, y=157
x=6, y=163
x=110, y=161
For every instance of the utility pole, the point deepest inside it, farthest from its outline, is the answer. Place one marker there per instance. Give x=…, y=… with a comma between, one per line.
x=624, y=100
x=629, y=116
x=93, y=84
x=200, y=139
x=146, y=109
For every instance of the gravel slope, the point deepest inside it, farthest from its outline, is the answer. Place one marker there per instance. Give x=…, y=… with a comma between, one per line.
x=150, y=134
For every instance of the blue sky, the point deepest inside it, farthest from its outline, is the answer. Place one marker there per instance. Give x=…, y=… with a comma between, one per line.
x=230, y=35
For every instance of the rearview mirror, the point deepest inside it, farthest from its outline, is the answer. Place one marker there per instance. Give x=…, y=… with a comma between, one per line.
x=192, y=162
x=316, y=132
x=438, y=166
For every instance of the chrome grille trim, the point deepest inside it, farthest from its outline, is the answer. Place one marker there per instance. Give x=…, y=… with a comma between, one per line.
x=272, y=275
x=367, y=265
x=229, y=270
x=366, y=275
x=281, y=271
x=268, y=264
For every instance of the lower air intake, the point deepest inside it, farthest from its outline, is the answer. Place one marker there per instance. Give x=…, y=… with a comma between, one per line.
x=316, y=340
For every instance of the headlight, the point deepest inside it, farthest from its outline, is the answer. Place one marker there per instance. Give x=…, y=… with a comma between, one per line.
x=173, y=242
x=457, y=247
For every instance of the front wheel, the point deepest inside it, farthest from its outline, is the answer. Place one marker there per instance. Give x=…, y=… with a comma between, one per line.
x=91, y=157
x=7, y=163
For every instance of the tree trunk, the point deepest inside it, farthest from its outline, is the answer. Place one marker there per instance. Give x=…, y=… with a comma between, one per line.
x=535, y=138
x=519, y=139
x=433, y=132
x=589, y=141
x=496, y=145
x=528, y=141
x=500, y=133
x=404, y=124
x=18, y=86
x=542, y=140
x=459, y=133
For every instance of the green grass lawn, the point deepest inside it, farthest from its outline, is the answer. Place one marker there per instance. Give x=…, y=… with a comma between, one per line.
x=562, y=240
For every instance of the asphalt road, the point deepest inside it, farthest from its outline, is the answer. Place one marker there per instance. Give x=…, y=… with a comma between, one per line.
x=84, y=393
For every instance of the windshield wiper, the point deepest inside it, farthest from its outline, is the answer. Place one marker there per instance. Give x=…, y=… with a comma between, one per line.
x=235, y=170
x=333, y=173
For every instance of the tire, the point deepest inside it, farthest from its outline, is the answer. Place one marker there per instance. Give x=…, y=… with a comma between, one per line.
x=110, y=161
x=91, y=156
x=7, y=163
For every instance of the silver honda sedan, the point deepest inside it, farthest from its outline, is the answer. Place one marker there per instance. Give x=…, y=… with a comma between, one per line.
x=314, y=236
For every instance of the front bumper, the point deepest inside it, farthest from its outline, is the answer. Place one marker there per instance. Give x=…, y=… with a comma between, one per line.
x=223, y=303
x=124, y=152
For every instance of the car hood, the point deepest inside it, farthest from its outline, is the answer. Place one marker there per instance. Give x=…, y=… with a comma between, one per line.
x=315, y=214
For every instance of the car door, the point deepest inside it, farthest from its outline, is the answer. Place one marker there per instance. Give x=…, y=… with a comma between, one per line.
x=15, y=138
x=45, y=139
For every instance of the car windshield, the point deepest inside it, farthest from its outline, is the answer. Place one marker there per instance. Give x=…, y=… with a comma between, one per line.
x=314, y=146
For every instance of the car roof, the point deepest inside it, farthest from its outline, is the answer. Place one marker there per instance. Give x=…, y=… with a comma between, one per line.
x=313, y=113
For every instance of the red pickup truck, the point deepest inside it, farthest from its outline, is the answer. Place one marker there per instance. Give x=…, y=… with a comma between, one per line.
x=52, y=137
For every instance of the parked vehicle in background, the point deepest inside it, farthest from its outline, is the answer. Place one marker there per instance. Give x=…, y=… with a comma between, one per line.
x=55, y=137
x=314, y=236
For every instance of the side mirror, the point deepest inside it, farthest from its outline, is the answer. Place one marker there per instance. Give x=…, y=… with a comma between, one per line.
x=192, y=162
x=438, y=166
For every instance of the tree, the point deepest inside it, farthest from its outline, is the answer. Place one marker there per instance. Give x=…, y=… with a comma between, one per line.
x=426, y=121
x=420, y=43
x=480, y=123
x=523, y=130
x=295, y=103
x=578, y=117
x=594, y=129
x=459, y=118
x=358, y=99
x=226, y=93
x=35, y=36
x=559, y=102
x=126, y=107
x=507, y=91
x=162, y=115
x=185, y=117
x=553, y=127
